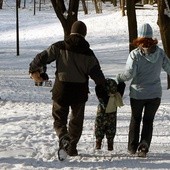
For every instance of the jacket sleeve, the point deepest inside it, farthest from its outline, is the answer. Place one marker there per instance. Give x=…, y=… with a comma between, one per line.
x=130, y=69
x=94, y=70
x=121, y=88
x=42, y=59
x=98, y=77
x=101, y=94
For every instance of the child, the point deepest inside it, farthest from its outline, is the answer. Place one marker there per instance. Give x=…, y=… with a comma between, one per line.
x=105, y=123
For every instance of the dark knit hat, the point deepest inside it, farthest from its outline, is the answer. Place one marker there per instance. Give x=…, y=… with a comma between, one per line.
x=145, y=31
x=79, y=27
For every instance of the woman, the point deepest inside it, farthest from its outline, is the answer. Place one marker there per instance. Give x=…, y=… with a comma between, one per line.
x=144, y=66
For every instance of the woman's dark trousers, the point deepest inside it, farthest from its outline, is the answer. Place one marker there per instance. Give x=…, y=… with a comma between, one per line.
x=149, y=107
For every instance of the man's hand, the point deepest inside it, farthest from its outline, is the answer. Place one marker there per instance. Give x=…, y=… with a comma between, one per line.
x=36, y=77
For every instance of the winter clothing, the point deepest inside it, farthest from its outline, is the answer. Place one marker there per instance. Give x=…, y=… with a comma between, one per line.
x=106, y=118
x=151, y=106
x=75, y=126
x=39, y=76
x=144, y=66
x=115, y=100
x=79, y=28
x=75, y=62
x=145, y=31
x=36, y=77
x=105, y=124
x=144, y=70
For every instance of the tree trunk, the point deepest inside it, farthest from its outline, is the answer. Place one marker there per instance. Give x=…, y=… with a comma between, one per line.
x=1, y=3
x=122, y=5
x=132, y=23
x=66, y=16
x=164, y=25
x=19, y=3
x=97, y=4
x=114, y=2
x=84, y=6
x=145, y=2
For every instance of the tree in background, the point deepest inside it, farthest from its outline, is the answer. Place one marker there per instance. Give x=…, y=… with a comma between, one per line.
x=122, y=7
x=98, y=6
x=132, y=22
x=66, y=15
x=164, y=25
x=84, y=6
x=1, y=3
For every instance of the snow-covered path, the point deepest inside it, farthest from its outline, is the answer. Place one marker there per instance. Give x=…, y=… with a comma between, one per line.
x=27, y=138
x=29, y=142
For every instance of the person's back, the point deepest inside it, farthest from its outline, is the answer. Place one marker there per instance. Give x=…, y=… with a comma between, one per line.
x=144, y=66
x=75, y=63
x=146, y=82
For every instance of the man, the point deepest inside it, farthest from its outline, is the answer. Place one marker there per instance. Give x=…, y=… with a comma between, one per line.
x=75, y=62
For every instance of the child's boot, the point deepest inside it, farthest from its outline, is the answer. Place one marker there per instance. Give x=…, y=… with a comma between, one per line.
x=98, y=144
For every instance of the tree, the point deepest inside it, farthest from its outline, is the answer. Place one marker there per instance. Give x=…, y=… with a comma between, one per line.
x=122, y=6
x=98, y=6
x=66, y=16
x=132, y=22
x=164, y=25
x=1, y=3
x=84, y=6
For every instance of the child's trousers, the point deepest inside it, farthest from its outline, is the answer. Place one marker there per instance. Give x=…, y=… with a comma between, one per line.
x=105, y=124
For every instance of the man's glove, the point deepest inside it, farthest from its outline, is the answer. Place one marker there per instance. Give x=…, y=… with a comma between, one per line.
x=36, y=77
x=44, y=76
x=121, y=88
x=39, y=77
x=101, y=93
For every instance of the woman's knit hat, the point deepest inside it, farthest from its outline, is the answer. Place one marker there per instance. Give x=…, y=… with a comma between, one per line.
x=79, y=27
x=145, y=31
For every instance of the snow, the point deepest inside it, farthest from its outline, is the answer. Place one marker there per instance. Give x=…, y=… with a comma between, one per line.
x=27, y=137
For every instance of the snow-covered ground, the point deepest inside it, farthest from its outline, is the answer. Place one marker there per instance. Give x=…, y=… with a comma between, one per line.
x=27, y=138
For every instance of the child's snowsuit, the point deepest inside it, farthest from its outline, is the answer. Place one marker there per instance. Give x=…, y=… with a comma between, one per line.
x=106, y=119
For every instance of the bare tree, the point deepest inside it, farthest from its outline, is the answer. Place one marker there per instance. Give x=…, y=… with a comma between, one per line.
x=98, y=6
x=164, y=25
x=84, y=6
x=122, y=6
x=132, y=22
x=66, y=16
x=1, y=3
x=19, y=3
